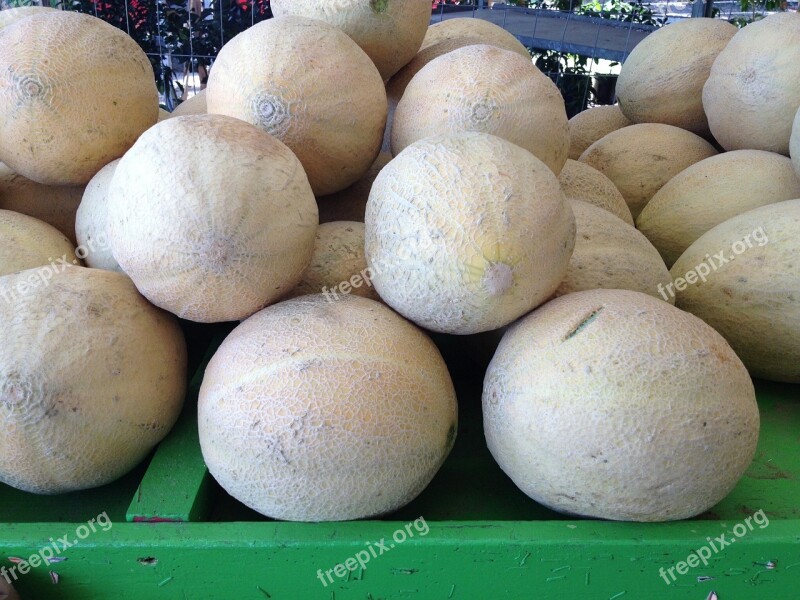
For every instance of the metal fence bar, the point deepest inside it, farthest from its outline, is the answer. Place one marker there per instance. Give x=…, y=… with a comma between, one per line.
x=127, y=16
x=190, y=75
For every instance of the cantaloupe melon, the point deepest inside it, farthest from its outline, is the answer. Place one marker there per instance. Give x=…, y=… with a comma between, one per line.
x=794, y=145
x=311, y=86
x=592, y=124
x=466, y=232
x=92, y=376
x=211, y=217
x=486, y=31
x=26, y=243
x=746, y=285
x=91, y=221
x=350, y=204
x=396, y=86
x=390, y=33
x=316, y=411
x=662, y=78
x=611, y=254
x=712, y=191
x=338, y=266
x=581, y=182
x=194, y=105
x=487, y=89
x=641, y=158
x=753, y=91
x=612, y=404
x=53, y=204
x=75, y=93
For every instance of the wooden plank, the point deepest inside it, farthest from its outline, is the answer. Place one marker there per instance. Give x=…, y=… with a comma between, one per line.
x=545, y=560
x=177, y=485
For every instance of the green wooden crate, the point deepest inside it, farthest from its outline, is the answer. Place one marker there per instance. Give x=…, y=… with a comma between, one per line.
x=174, y=533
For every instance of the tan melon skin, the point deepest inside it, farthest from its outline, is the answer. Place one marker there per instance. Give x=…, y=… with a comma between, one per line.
x=10, y=16
x=753, y=300
x=794, y=145
x=84, y=417
x=196, y=105
x=753, y=91
x=198, y=242
x=91, y=221
x=56, y=205
x=350, y=204
x=467, y=232
x=581, y=182
x=662, y=78
x=26, y=243
x=332, y=116
x=389, y=31
x=592, y=124
x=612, y=404
x=338, y=260
x=611, y=254
x=487, y=89
x=469, y=27
x=75, y=93
x=641, y=158
x=320, y=411
x=712, y=191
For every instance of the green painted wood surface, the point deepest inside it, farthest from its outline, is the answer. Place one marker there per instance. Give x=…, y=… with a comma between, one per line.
x=547, y=560
x=485, y=538
x=177, y=486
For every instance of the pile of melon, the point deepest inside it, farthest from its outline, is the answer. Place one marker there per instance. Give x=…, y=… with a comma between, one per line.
x=641, y=262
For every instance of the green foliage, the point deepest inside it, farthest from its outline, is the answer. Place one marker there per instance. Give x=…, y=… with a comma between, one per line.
x=619, y=10
x=571, y=73
x=564, y=5
x=636, y=12
x=757, y=10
